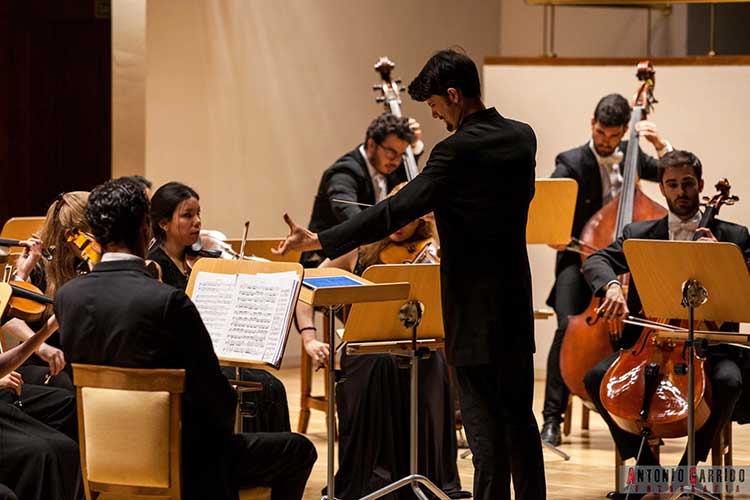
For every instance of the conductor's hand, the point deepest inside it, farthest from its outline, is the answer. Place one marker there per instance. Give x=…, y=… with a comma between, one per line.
x=298, y=238
x=706, y=235
x=614, y=309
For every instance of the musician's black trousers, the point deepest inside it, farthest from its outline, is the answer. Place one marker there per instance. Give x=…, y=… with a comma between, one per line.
x=496, y=408
x=726, y=387
x=572, y=296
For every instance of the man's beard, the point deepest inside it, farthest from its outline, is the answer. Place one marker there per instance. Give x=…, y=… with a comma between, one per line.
x=601, y=152
x=683, y=211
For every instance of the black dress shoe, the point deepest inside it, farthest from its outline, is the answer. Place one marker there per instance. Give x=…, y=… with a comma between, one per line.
x=551, y=433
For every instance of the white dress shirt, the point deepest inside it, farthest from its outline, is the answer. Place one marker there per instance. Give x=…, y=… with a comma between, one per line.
x=379, y=182
x=611, y=171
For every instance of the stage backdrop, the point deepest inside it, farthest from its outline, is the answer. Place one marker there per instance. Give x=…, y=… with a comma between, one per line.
x=702, y=108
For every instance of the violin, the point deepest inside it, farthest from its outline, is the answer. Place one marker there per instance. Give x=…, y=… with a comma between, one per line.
x=27, y=302
x=646, y=389
x=87, y=248
x=390, y=96
x=412, y=252
x=587, y=340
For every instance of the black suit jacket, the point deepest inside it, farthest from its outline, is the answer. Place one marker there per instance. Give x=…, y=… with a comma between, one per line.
x=580, y=165
x=347, y=179
x=479, y=182
x=606, y=264
x=118, y=315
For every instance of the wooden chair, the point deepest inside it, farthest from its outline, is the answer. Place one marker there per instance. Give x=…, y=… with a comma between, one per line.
x=129, y=423
x=261, y=247
x=20, y=228
x=568, y=422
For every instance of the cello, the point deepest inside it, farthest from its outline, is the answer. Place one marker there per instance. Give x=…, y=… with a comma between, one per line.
x=588, y=340
x=646, y=388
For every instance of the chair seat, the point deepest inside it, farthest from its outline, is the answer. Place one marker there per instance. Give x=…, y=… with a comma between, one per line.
x=261, y=493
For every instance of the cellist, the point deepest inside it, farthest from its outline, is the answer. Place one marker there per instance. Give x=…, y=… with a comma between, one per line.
x=680, y=181
x=597, y=168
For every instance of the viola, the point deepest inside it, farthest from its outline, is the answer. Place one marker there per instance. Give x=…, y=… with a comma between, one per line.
x=587, y=340
x=646, y=388
x=390, y=96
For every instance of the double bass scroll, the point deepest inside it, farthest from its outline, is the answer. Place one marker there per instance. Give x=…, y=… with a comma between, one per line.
x=390, y=96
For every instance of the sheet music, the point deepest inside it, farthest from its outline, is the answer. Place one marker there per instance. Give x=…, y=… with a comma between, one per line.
x=247, y=315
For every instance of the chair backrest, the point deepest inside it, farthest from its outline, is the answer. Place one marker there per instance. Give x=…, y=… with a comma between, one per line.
x=129, y=423
x=261, y=247
x=20, y=228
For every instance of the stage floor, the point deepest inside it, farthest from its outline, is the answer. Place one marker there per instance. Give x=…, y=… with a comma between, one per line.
x=588, y=475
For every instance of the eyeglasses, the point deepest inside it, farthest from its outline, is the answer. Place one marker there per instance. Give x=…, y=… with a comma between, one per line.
x=390, y=153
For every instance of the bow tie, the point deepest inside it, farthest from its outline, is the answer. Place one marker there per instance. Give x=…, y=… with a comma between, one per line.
x=678, y=226
x=611, y=160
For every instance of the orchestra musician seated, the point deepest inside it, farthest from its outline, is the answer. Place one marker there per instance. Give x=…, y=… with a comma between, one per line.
x=36, y=462
x=681, y=182
x=363, y=176
x=371, y=396
x=176, y=226
x=65, y=217
x=118, y=315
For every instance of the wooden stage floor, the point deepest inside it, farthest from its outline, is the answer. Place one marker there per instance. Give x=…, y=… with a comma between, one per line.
x=588, y=475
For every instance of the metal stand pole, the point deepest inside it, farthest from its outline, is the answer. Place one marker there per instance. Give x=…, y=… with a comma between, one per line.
x=331, y=320
x=694, y=294
x=411, y=315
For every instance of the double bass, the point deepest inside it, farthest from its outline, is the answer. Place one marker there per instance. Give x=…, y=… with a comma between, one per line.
x=646, y=388
x=587, y=338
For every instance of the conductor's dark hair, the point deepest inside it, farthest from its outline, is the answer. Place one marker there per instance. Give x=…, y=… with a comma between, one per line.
x=445, y=69
x=612, y=110
x=679, y=158
x=387, y=124
x=165, y=202
x=116, y=210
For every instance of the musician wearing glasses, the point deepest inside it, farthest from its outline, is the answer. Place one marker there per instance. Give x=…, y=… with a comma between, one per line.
x=681, y=182
x=363, y=176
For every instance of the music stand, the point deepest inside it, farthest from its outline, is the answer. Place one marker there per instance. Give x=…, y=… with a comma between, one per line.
x=691, y=280
x=332, y=298
x=224, y=266
x=550, y=221
x=551, y=212
x=391, y=327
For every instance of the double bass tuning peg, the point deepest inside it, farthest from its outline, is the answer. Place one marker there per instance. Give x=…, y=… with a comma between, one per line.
x=380, y=99
x=376, y=87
